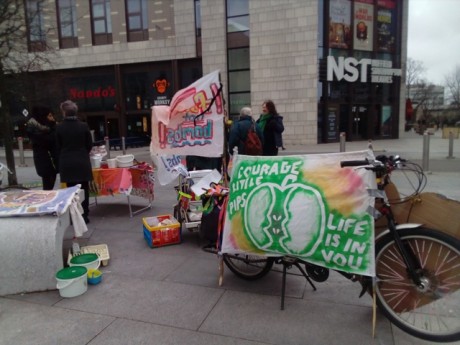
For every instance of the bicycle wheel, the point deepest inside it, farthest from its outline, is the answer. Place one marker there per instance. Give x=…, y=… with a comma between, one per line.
x=249, y=267
x=430, y=311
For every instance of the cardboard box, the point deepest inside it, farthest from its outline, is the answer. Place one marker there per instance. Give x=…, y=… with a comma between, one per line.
x=161, y=230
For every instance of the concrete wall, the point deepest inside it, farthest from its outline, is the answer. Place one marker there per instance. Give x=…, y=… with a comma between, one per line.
x=284, y=63
x=167, y=41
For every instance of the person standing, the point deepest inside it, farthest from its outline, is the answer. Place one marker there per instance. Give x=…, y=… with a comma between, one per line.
x=240, y=129
x=74, y=143
x=271, y=124
x=41, y=131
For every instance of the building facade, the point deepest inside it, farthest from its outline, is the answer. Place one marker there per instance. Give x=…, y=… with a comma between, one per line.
x=330, y=66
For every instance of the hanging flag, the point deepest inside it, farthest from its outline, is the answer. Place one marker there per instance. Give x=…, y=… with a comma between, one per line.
x=193, y=124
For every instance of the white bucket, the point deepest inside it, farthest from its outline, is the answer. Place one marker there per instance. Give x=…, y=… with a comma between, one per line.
x=72, y=281
x=89, y=261
x=125, y=161
x=112, y=163
x=95, y=162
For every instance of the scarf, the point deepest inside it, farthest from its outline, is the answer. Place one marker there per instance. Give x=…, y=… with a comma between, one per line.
x=263, y=121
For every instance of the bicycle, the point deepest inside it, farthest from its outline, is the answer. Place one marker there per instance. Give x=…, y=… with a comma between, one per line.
x=417, y=269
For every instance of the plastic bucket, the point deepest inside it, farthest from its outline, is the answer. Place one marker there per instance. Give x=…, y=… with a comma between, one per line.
x=89, y=261
x=72, y=281
x=95, y=162
x=94, y=277
x=125, y=161
x=112, y=163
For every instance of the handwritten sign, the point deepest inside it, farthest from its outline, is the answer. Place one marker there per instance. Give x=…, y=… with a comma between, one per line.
x=304, y=206
x=177, y=130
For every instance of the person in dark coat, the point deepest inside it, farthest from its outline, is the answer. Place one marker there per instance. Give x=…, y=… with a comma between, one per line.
x=74, y=143
x=271, y=124
x=240, y=129
x=41, y=131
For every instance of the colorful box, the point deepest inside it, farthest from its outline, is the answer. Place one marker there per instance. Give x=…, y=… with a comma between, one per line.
x=161, y=230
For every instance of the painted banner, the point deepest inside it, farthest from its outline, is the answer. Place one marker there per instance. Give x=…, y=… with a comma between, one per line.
x=168, y=167
x=36, y=202
x=339, y=24
x=304, y=206
x=363, y=20
x=176, y=129
x=386, y=26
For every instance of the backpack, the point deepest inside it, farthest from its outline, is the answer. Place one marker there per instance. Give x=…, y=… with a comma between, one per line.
x=252, y=144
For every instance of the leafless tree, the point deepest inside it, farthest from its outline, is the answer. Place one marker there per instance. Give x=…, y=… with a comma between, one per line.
x=414, y=73
x=452, y=82
x=16, y=60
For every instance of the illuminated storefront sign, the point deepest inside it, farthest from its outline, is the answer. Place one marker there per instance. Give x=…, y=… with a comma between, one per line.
x=161, y=85
x=352, y=70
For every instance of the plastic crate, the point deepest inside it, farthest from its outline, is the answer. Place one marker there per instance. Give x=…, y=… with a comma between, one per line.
x=100, y=249
x=158, y=234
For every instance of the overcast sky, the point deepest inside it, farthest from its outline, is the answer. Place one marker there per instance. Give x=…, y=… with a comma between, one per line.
x=434, y=36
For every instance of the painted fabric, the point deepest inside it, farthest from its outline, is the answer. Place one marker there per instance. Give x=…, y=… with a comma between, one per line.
x=304, y=206
x=36, y=202
x=175, y=128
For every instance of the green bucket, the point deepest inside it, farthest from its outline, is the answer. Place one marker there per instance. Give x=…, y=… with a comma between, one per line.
x=89, y=260
x=72, y=281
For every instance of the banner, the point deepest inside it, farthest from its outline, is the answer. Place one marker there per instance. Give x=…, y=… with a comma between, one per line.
x=177, y=131
x=363, y=20
x=168, y=167
x=304, y=206
x=339, y=24
x=36, y=202
x=386, y=26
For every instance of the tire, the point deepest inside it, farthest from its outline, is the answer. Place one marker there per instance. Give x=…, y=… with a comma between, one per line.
x=248, y=267
x=431, y=311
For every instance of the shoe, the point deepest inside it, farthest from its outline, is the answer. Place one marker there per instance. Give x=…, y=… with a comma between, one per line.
x=86, y=220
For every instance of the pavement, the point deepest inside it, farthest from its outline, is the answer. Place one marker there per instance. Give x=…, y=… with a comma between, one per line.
x=170, y=295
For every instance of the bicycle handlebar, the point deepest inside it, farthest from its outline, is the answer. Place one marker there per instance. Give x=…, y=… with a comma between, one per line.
x=354, y=163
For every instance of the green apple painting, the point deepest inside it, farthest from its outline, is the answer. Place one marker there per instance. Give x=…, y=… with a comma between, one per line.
x=305, y=206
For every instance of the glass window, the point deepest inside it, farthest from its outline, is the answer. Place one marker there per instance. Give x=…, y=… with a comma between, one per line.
x=238, y=59
x=238, y=24
x=36, y=25
x=137, y=18
x=237, y=101
x=102, y=22
x=239, y=81
x=67, y=19
x=198, y=18
x=237, y=7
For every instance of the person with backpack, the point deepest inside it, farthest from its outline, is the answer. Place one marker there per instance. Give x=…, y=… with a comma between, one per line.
x=271, y=124
x=245, y=135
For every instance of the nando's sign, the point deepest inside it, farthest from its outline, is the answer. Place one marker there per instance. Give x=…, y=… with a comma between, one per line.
x=100, y=92
x=354, y=70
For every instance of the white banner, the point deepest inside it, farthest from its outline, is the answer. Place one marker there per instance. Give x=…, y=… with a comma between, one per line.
x=177, y=130
x=304, y=206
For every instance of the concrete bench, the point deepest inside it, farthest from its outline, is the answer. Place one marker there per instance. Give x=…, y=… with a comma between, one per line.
x=31, y=252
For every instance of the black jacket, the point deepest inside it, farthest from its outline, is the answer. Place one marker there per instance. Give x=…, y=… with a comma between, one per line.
x=43, y=147
x=272, y=135
x=74, y=144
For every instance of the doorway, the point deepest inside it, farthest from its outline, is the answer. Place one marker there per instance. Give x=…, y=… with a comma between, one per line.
x=360, y=116
x=97, y=126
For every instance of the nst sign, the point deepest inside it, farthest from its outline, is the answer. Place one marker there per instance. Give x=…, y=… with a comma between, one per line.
x=352, y=70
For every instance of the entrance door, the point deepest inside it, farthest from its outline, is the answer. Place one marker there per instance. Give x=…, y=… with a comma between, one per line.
x=97, y=124
x=113, y=130
x=360, y=115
